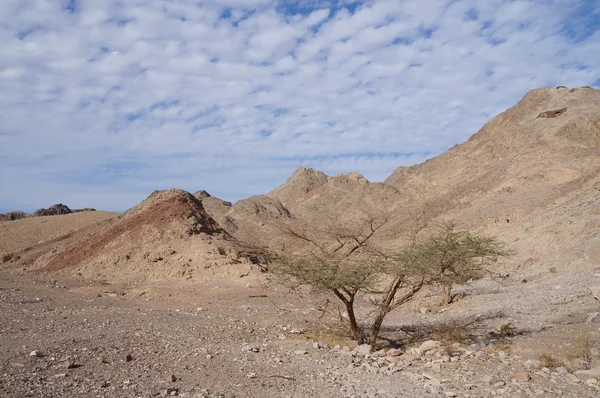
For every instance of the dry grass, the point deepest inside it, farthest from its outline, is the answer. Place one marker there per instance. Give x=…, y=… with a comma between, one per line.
x=330, y=336
x=452, y=332
x=502, y=345
x=582, y=348
x=550, y=361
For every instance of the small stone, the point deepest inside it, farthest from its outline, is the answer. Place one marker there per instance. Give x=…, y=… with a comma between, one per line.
x=595, y=291
x=128, y=358
x=521, y=376
x=561, y=370
x=594, y=317
x=37, y=354
x=423, y=310
x=173, y=378
x=250, y=348
x=251, y=376
x=451, y=394
x=431, y=380
x=69, y=364
x=593, y=373
x=363, y=349
x=532, y=364
x=172, y=392
x=60, y=375
x=499, y=384
x=322, y=344
x=394, y=352
x=426, y=346
x=591, y=382
x=300, y=352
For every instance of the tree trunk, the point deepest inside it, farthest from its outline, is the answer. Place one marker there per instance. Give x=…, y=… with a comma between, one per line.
x=376, y=328
x=354, y=328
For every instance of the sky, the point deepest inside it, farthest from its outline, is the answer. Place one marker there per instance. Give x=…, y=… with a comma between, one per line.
x=104, y=101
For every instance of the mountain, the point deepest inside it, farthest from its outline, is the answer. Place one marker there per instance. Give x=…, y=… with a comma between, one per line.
x=168, y=235
x=531, y=176
x=303, y=181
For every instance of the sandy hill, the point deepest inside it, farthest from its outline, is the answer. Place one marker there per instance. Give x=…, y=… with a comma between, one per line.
x=168, y=235
x=530, y=175
x=255, y=221
x=303, y=181
x=21, y=234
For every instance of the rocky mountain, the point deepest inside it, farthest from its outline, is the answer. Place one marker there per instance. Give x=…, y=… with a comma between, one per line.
x=530, y=176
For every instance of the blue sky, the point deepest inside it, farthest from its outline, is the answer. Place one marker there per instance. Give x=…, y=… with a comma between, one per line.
x=103, y=101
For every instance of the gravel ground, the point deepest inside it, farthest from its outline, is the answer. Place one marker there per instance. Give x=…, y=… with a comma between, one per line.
x=64, y=338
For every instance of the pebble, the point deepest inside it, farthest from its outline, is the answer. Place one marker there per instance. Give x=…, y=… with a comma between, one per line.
x=250, y=348
x=521, y=376
x=36, y=353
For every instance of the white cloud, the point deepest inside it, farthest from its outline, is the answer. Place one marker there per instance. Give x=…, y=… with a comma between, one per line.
x=103, y=105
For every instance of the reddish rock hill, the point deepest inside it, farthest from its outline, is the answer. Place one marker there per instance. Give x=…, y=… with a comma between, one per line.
x=167, y=235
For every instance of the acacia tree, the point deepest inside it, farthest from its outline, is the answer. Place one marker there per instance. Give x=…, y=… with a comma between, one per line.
x=344, y=261
x=450, y=255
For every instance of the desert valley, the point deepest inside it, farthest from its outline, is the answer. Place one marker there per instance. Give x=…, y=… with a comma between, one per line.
x=175, y=296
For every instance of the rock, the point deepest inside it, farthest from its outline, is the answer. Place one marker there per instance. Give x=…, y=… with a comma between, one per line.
x=595, y=290
x=251, y=376
x=432, y=380
x=394, y=352
x=69, y=364
x=171, y=392
x=128, y=358
x=363, y=349
x=450, y=394
x=521, y=376
x=300, y=352
x=60, y=375
x=425, y=347
x=499, y=384
x=173, y=378
x=322, y=344
x=594, y=317
x=423, y=310
x=37, y=354
x=561, y=370
x=250, y=348
x=593, y=373
x=532, y=364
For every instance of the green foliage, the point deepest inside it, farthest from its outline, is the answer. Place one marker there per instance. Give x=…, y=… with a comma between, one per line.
x=344, y=261
x=450, y=256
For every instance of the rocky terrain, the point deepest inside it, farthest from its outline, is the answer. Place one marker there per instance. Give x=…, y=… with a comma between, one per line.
x=53, y=210
x=168, y=299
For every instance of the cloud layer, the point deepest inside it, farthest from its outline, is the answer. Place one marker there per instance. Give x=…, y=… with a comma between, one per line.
x=104, y=101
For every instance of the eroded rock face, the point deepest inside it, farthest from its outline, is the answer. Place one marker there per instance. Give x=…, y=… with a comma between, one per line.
x=13, y=215
x=53, y=210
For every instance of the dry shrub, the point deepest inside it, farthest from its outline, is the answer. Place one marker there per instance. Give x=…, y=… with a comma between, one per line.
x=549, y=361
x=452, y=332
x=331, y=336
x=583, y=345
